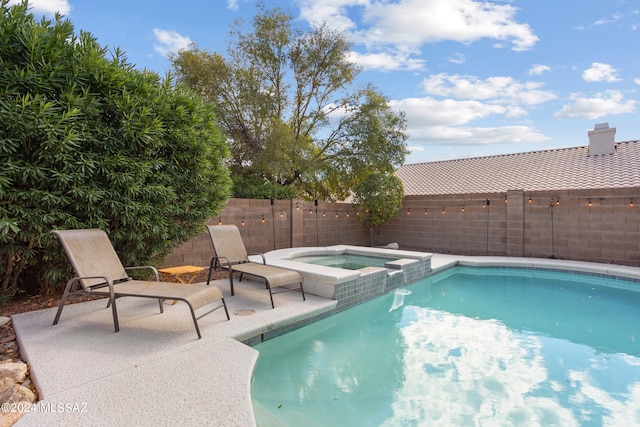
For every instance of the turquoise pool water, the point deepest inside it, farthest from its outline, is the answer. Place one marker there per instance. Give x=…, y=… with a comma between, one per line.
x=467, y=347
x=347, y=261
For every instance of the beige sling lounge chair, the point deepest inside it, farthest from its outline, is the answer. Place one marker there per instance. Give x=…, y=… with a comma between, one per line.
x=100, y=272
x=231, y=253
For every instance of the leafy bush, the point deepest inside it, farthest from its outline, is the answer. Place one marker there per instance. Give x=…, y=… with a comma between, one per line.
x=377, y=199
x=89, y=141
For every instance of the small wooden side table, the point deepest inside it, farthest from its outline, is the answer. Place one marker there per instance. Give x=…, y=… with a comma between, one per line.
x=181, y=274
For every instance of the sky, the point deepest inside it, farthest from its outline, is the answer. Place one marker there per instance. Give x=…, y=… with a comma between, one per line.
x=473, y=78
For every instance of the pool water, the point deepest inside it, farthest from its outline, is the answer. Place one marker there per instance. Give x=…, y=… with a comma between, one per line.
x=467, y=347
x=346, y=261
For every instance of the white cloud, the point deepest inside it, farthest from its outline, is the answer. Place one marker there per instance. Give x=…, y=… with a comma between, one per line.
x=457, y=58
x=170, y=41
x=427, y=111
x=404, y=26
x=600, y=73
x=335, y=12
x=234, y=4
x=470, y=136
x=386, y=61
x=538, y=69
x=415, y=22
x=49, y=7
x=608, y=103
x=614, y=18
x=499, y=89
x=460, y=110
x=446, y=122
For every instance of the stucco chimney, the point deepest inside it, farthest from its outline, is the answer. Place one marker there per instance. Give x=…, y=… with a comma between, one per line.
x=601, y=140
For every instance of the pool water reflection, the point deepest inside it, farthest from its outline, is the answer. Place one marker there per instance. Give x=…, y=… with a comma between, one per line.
x=465, y=347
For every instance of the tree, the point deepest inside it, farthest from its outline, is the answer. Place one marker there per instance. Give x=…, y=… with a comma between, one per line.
x=88, y=141
x=284, y=97
x=377, y=199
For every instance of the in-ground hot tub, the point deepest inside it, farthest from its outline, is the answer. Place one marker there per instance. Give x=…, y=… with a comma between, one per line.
x=347, y=261
x=382, y=270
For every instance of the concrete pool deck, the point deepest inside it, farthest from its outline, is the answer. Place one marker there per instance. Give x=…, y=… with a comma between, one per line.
x=156, y=372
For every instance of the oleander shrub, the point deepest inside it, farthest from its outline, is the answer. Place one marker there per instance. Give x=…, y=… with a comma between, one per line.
x=88, y=141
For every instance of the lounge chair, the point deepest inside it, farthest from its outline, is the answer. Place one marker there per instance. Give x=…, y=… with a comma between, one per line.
x=232, y=254
x=100, y=272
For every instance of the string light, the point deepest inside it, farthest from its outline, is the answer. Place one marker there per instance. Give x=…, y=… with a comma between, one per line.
x=462, y=210
x=262, y=220
x=590, y=204
x=443, y=211
x=297, y=206
x=426, y=212
x=242, y=223
x=631, y=203
x=336, y=214
x=558, y=201
x=281, y=214
x=530, y=199
x=323, y=214
x=408, y=211
x=219, y=220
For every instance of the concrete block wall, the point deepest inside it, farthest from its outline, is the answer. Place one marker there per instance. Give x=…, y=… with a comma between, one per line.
x=266, y=225
x=450, y=224
x=560, y=224
x=542, y=224
x=332, y=224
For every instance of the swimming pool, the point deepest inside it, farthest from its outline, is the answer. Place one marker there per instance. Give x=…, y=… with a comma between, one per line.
x=488, y=346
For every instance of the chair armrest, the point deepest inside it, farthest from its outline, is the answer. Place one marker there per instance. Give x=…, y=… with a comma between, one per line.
x=142, y=267
x=264, y=261
x=217, y=259
x=107, y=282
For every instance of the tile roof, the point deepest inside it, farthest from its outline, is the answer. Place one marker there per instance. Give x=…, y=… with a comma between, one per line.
x=558, y=169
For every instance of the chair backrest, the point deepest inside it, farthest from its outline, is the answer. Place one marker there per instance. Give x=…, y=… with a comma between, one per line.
x=91, y=254
x=227, y=242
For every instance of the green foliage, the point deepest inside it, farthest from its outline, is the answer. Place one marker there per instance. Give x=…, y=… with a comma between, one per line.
x=378, y=198
x=255, y=187
x=88, y=141
x=285, y=98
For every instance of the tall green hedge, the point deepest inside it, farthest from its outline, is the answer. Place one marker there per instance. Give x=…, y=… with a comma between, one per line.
x=86, y=140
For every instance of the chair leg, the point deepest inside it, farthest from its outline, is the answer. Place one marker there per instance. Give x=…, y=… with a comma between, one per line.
x=224, y=304
x=116, y=324
x=195, y=320
x=231, y=280
x=67, y=289
x=211, y=267
x=270, y=295
x=302, y=290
